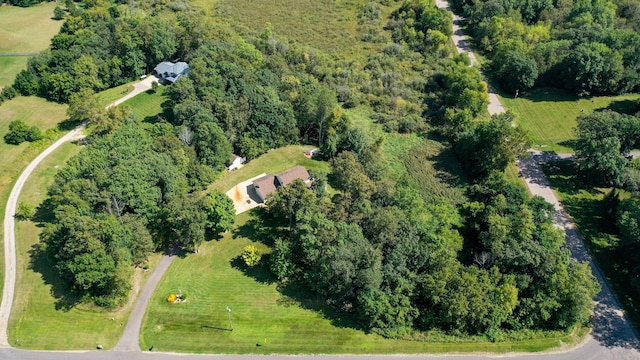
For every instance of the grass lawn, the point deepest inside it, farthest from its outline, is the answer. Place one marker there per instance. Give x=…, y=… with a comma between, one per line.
x=27, y=29
x=39, y=311
x=9, y=67
x=273, y=162
x=33, y=111
x=549, y=115
x=280, y=320
x=327, y=25
x=18, y=35
x=146, y=106
x=108, y=96
x=584, y=203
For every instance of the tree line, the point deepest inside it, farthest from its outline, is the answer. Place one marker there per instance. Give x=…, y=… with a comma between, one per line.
x=589, y=47
x=402, y=264
x=125, y=195
x=603, y=159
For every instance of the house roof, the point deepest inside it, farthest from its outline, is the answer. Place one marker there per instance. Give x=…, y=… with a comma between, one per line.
x=171, y=70
x=286, y=177
x=265, y=185
x=269, y=183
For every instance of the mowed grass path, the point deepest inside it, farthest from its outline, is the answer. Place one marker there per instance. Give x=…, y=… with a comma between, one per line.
x=280, y=320
x=549, y=115
x=24, y=30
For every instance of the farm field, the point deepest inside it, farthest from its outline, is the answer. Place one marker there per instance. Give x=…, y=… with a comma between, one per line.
x=330, y=26
x=19, y=35
x=549, y=115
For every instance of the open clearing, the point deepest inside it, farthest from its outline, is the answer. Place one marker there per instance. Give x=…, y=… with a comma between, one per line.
x=273, y=162
x=327, y=25
x=549, y=115
x=9, y=67
x=19, y=35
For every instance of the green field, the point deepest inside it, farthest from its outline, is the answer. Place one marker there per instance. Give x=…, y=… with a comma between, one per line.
x=327, y=25
x=268, y=318
x=549, y=115
x=147, y=106
x=9, y=67
x=32, y=110
x=584, y=203
x=24, y=30
x=273, y=162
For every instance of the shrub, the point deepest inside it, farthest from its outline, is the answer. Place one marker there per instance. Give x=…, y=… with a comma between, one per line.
x=25, y=211
x=58, y=13
x=251, y=255
x=19, y=132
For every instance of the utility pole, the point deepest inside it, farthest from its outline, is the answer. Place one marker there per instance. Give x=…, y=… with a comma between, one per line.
x=229, y=314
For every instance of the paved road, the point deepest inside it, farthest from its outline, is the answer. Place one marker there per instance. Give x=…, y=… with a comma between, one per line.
x=9, y=230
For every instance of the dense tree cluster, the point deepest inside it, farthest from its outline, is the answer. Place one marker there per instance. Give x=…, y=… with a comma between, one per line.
x=590, y=47
x=605, y=139
x=378, y=249
x=97, y=48
x=125, y=195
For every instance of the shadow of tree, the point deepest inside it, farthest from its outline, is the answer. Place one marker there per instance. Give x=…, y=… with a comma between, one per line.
x=629, y=107
x=44, y=213
x=68, y=124
x=260, y=272
x=259, y=228
x=297, y=294
x=569, y=143
x=40, y=262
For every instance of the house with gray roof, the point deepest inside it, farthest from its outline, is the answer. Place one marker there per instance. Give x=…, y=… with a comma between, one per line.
x=169, y=72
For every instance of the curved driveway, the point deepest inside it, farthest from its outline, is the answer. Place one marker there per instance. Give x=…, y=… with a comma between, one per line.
x=9, y=230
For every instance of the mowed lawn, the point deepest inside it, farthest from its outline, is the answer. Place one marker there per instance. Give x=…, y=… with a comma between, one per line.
x=24, y=30
x=10, y=66
x=273, y=162
x=147, y=106
x=265, y=317
x=34, y=111
x=549, y=115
